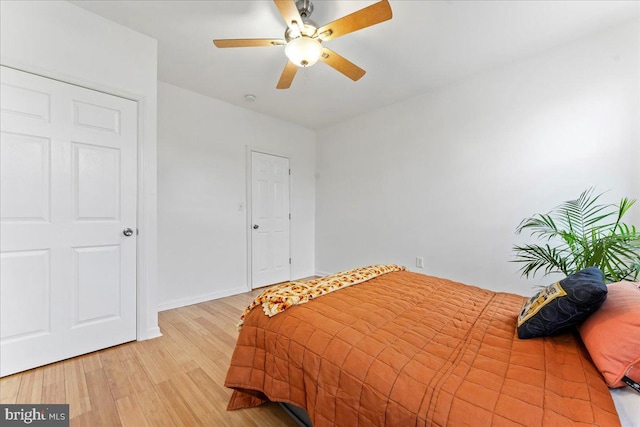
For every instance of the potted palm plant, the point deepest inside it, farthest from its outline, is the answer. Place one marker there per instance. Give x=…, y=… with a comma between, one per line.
x=582, y=233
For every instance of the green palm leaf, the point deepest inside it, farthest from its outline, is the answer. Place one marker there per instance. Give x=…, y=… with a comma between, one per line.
x=582, y=233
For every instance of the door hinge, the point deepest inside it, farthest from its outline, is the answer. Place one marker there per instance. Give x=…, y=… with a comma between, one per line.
x=289, y=216
x=289, y=260
x=138, y=232
x=289, y=171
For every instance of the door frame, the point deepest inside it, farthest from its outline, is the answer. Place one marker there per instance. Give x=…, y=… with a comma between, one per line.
x=249, y=149
x=146, y=217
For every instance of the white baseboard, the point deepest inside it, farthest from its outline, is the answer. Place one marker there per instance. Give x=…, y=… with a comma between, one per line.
x=150, y=333
x=323, y=273
x=168, y=305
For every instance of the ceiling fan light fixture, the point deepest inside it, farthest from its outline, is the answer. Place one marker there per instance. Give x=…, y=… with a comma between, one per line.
x=303, y=51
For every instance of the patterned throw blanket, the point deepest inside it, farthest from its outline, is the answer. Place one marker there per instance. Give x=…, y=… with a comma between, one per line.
x=280, y=297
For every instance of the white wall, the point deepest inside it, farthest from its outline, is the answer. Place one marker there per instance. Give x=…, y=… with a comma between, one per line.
x=62, y=41
x=202, y=160
x=449, y=175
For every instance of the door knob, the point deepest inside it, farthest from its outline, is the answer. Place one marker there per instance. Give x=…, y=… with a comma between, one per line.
x=256, y=226
x=127, y=232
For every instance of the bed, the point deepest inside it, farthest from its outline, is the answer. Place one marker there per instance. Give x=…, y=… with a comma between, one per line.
x=404, y=349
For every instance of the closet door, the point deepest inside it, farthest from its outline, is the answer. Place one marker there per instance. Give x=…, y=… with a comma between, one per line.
x=270, y=262
x=67, y=220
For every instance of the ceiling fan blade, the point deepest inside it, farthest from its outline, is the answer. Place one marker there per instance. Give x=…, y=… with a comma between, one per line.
x=363, y=18
x=341, y=64
x=289, y=12
x=287, y=76
x=248, y=42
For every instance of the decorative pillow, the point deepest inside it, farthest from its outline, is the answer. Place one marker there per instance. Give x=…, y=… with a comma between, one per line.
x=562, y=305
x=612, y=334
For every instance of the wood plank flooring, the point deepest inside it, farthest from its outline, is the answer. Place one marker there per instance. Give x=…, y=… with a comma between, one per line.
x=174, y=380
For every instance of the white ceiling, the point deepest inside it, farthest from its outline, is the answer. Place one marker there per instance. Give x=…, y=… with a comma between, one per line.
x=427, y=44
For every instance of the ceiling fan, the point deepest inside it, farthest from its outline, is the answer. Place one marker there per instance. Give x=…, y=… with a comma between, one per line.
x=303, y=38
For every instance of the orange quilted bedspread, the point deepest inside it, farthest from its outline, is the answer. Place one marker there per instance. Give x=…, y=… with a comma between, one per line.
x=406, y=349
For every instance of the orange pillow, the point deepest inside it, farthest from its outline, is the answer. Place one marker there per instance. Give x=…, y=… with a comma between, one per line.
x=612, y=333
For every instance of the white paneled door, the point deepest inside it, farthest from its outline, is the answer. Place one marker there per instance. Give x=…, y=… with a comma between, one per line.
x=270, y=262
x=67, y=220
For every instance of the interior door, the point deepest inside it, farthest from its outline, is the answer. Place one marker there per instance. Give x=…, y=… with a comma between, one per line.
x=270, y=261
x=67, y=220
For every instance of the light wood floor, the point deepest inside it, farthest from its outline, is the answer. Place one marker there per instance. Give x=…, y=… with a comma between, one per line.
x=176, y=379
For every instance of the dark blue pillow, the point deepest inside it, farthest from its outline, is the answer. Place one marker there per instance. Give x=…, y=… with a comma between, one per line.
x=563, y=305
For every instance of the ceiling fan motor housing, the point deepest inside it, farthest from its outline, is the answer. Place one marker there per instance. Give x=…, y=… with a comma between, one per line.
x=305, y=7
x=308, y=27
